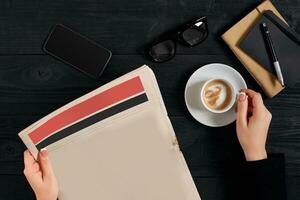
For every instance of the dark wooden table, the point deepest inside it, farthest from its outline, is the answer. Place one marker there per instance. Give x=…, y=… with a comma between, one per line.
x=33, y=84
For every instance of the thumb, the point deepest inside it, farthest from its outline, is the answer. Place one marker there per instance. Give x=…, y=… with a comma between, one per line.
x=242, y=109
x=45, y=164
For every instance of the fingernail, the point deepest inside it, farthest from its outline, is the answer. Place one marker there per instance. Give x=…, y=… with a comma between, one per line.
x=44, y=153
x=242, y=96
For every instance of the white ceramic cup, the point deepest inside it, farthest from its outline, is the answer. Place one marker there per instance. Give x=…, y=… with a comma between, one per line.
x=228, y=107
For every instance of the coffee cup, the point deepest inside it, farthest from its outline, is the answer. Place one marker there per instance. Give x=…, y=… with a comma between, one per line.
x=217, y=95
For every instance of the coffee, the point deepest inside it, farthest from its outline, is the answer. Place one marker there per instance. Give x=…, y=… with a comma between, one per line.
x=217, y=94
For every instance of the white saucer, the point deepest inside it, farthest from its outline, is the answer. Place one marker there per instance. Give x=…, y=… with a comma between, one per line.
x=192, y=93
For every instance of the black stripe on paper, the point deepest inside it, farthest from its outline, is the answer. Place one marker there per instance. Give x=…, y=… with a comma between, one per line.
x=93, y=119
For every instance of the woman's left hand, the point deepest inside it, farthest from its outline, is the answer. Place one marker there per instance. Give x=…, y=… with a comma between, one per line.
x=40, y=176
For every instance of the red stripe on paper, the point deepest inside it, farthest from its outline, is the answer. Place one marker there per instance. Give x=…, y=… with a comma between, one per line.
x=87, y=107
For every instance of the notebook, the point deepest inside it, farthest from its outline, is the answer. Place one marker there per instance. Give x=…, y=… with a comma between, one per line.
x=286, y=44
x=115, y=142
x=233, y=36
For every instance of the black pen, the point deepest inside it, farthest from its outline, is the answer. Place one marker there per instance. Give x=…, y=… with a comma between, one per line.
x=268, y=38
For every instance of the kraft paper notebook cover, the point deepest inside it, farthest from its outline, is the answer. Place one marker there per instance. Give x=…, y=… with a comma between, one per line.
x=116, y=142
x=236, y=33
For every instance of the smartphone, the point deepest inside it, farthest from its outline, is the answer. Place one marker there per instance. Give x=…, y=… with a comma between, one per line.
x=77, y=51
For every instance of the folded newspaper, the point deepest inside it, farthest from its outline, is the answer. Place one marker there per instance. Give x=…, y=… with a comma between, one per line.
x=115, y=142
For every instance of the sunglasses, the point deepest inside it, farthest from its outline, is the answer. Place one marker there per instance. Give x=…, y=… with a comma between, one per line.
x=190, y=34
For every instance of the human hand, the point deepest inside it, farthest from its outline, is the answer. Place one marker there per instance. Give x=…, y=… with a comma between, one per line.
x=252, y=124
x=41, y=176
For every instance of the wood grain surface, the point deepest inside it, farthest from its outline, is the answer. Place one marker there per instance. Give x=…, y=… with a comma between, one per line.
x=33, y=84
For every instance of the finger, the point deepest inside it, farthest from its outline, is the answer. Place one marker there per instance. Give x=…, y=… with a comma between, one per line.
x=242, y=110
x=45, y=164
x=249, y=92
x=256, y=100
x=28, y=159
x=30, y=165
x=253, y=95
x=31, y=169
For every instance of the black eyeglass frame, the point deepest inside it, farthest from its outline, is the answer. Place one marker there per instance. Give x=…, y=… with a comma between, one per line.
x=177, y=35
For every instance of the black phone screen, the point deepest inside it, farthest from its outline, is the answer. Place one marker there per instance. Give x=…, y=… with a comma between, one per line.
x=77, y=50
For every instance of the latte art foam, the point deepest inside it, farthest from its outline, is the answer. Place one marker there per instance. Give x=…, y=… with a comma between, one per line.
x=217, y=94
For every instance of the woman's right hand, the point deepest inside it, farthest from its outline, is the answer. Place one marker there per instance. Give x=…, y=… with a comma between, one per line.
x=252, y=124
